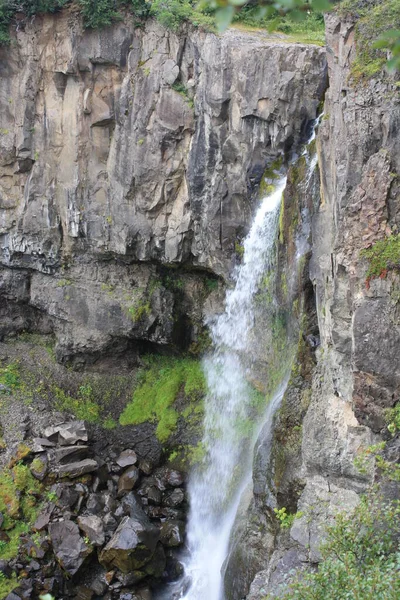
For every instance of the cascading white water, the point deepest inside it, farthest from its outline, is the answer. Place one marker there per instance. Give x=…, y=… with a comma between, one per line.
x=215, y=489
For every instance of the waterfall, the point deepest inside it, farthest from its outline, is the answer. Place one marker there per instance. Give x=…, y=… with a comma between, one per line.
x=217, y=485
x=215, y=488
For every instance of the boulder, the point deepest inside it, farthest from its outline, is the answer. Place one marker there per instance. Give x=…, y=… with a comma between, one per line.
x=92, y=526
x=67, y=434
x=69, y=548
x=172, y=533
x=69, y=454
x=174, y=478
x=128, y=480
x=5, y=568
x=95, y=503
x=41, y=445
x=146, y=466
x=82, y=592
x=77, y=469
x=173, y=498
x=43, y=519
x=132, y=545
x=127, y=458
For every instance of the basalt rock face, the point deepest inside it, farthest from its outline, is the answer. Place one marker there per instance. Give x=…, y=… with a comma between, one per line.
x=357, y=372
x=125, y=153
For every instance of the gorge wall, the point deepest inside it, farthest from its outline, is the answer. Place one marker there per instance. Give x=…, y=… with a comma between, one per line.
x=129, y=165
x=334, y=407
x=127, y=154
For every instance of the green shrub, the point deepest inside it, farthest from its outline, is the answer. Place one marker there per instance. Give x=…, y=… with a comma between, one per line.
x=172, y=13
x=286, y=519
x=83, y=406
x=19, y=506
x=96, y=13
x=8, y=8
x=7, y=585
x=160, y=383
x=99, y=13
x=361, y=559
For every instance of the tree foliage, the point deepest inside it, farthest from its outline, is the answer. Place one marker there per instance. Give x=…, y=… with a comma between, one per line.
x=361, y=557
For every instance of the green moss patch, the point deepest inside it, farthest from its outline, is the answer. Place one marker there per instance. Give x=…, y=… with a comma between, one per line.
x=9, y=377
x=383, y=256
x=160, y=383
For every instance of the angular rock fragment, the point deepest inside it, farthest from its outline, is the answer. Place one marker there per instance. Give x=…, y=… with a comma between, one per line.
x=128, y=480
x=173, y=498
x=172, y=533
x=127, y=458
x=69, y=548
x=92, y=526
x=67, y=434
x=41, y=445
x=132, y=545
x=70, y=454
x=38, y=467
x=77, y=469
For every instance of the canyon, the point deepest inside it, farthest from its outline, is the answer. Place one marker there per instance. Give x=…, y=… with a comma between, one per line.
x=132, y=163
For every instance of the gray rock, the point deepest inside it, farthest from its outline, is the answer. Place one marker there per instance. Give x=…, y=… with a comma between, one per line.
x=41, y=444
x=172, y=533
x=92, y=526
x=39, y=467
x=68, y=546
x=70, y=454
x=67, y=434
x=12, y=596
x=5, y=568
x=43, y=519
x=77, y=469
x=174, y=478
x=128, y=480
x=155, y=178
x=173, y=498
x=132, y=545
x=95, y=503
x=127, y=458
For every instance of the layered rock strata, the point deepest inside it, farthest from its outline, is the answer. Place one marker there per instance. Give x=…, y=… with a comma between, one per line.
x=125, y=153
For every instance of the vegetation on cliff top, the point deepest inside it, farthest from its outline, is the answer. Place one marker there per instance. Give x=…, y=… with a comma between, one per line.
x=170, y=13
x=377, y=33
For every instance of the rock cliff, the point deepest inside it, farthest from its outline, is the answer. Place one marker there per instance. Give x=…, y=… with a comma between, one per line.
x=126, y=153
x=356, y=376
x=129, y=165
